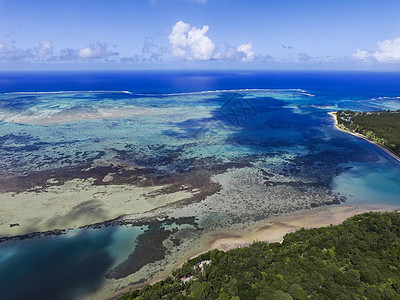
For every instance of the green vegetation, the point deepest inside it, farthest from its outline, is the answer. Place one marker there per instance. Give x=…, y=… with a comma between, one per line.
x=382, y=127
x=359, y=259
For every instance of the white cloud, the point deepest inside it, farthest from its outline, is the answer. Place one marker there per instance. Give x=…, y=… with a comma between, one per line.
x=362, y=54
x=201, y=45
x=242, y=53
x=44, y=50
x=183, y=37
x=86, y=53
x=246, y=51
x=178, y=39
x=10, y=53
x=388, y=52
x=96, y=51
x=191, y=43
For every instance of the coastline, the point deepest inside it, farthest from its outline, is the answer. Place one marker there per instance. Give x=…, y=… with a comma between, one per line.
x=270, y=230
x=333, y=115
x=275, y=228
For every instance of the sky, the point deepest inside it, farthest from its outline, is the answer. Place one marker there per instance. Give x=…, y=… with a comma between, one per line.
x=199, y=34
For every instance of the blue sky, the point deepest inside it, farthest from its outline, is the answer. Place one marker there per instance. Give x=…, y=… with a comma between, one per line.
x=189, y=34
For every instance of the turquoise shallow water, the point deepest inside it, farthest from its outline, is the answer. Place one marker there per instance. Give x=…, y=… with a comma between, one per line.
x=283, y=133
x=370, y=184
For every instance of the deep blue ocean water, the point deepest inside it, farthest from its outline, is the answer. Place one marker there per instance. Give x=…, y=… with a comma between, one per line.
x=361, y=84
x=185, y=115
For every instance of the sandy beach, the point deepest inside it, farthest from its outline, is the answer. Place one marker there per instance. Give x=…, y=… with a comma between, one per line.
x=274, y=229
x=269, y=230
x=333, y=114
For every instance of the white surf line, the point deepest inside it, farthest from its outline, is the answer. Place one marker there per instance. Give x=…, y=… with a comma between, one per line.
x=164, y=94
x=227, y=91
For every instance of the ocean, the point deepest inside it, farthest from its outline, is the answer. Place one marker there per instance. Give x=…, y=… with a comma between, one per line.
x=180, y=155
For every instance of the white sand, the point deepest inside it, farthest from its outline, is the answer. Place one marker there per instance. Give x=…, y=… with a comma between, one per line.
x=270, y=230
x=333, y=114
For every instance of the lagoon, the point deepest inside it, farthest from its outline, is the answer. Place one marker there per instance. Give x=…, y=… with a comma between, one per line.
x=199, y=154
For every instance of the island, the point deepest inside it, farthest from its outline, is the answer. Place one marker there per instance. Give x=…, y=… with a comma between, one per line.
x=358, y=259
x=379, y=127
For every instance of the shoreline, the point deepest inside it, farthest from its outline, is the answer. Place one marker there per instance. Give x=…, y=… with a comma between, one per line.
x=270, y=230
x=275, y=228
x=333, y=115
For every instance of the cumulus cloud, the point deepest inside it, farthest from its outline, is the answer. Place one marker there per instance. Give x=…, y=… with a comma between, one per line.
x=191, y=43
x=246, y=52
x=242, y=53
x=201, y=45
x=184, y=38
x=178, y=39
x=388, y=52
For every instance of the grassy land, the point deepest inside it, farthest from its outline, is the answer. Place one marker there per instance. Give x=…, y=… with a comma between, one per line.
x=359, y=259
x=382, y=127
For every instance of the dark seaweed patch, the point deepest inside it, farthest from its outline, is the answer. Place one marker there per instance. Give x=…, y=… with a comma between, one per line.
x=149, y=249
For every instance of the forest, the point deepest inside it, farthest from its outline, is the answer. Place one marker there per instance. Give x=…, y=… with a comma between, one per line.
x=358, y=259
x=382, y=127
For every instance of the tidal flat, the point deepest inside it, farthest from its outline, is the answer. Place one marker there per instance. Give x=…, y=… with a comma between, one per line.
x=142, y=182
